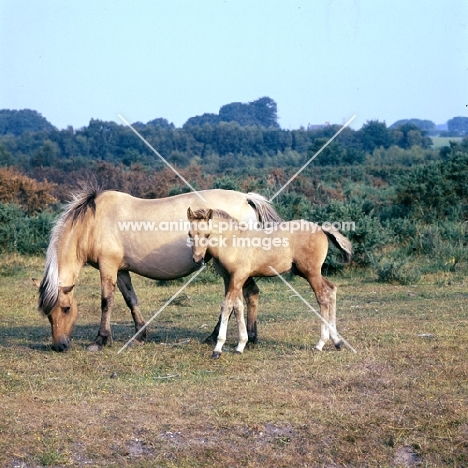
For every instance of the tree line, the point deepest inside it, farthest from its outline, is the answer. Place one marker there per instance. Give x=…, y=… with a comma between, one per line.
x=240, y=136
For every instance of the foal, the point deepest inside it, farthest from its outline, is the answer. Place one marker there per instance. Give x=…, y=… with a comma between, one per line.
x=240, y=253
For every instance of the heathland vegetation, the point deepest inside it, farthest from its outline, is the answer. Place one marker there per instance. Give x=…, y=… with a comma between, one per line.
x=401, y=400
x=407, y=197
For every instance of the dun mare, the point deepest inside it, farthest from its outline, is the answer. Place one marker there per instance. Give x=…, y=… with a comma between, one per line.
x=241, y=253
x=118, y=234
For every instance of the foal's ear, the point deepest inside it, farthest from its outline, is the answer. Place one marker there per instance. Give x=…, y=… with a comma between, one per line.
x=190, y=215
x=36, y=282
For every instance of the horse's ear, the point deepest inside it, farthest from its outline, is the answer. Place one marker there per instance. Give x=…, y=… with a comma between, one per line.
x=190, y=215
x=209, y=214
x=36, y=282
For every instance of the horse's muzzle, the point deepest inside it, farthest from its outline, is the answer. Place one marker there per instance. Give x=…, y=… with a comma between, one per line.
x=199, y=263
x=62, y=345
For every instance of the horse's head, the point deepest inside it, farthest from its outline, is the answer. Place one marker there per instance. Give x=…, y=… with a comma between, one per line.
x=61, y=310
x=62, y=318
x=200, y=232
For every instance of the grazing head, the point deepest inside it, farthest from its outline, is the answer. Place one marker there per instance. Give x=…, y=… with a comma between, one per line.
x=62, y=317
x=59, y=306
x=56, y=290
x=200, y=232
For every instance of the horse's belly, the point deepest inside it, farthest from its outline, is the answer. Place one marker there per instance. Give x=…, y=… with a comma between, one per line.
x=164, y=257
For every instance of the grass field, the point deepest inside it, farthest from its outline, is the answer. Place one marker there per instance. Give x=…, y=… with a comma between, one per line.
x=438, y=142
x=402, y=400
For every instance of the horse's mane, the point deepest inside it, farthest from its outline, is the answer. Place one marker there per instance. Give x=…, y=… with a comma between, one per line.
x=74, y=211
x=203, y=214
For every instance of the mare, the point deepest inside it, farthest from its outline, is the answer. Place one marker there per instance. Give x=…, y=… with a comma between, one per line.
x=240, y=253
x=118, y=234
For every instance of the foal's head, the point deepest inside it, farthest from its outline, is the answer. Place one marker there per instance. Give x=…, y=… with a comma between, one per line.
x=200, y=232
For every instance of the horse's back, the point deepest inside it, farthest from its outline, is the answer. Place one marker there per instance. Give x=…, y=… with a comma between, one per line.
x=149, y=236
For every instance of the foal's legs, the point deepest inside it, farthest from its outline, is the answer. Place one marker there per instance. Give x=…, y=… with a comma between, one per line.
x=332, y=313
x=124, y=283
x=108, y=280
x=232, y=300
x=325, y=292
x=251, y=292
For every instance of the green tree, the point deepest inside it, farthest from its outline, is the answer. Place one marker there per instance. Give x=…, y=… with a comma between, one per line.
x=17, y=122
x=458, y=126
x=425, y=125
x=409, y=135
x=46, y=156
x=374, y=134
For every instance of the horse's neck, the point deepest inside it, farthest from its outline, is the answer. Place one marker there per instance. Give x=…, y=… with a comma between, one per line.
x=70, y=257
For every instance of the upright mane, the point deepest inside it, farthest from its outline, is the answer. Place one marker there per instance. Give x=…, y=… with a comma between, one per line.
x=74, y=212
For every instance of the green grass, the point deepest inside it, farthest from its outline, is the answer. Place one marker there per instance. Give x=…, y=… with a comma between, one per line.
x=438, y=142
x=279, y=404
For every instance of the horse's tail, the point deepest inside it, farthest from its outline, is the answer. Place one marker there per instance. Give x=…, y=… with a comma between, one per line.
x=74, y=212
x=341, y=242
x=265, y=212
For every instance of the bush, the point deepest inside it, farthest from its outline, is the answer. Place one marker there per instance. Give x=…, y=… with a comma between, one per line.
x=397, y=271
x=22, y=233
x=368, y=235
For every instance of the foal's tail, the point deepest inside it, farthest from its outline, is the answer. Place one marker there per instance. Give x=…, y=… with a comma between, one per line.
x=265, y=212
x=341, y=242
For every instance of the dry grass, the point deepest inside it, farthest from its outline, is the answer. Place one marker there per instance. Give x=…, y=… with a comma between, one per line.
x=402, y=399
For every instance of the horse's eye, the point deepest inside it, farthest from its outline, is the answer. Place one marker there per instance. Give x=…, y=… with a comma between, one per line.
x=65, y=310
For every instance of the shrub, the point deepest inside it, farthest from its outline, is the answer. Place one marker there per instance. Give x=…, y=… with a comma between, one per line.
x=22, y=233
x=399, y=271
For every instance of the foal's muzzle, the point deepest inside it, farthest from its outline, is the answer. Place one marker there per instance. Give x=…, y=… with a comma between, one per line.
x=199, y=263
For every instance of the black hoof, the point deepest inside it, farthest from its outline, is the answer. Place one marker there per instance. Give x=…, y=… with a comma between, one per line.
x=216, y=355
x=237, y=352
x=253, y=340
x=339, y=346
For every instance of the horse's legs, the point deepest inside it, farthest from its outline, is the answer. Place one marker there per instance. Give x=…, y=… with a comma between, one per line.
x=250, y=291
x=325, y=292
x=124, y=283
x=108, y=281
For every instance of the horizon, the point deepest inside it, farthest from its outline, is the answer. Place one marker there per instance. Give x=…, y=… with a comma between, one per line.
x=119, y=122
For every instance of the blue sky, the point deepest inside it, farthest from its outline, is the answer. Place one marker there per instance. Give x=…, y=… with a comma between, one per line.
x=319, y=60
